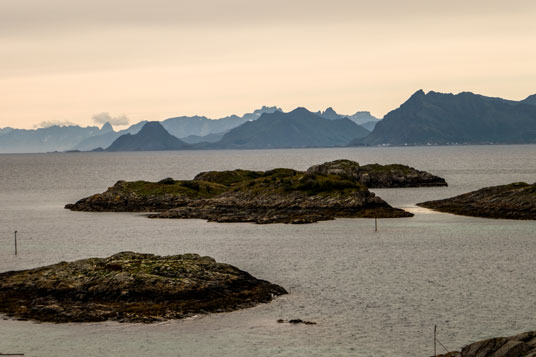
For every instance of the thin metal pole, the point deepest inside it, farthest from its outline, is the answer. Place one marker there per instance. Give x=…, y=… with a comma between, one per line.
x=375, y=223
x=435, y=351
x=15, y=242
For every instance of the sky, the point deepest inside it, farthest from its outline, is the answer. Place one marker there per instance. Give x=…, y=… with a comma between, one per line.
x=65, y=61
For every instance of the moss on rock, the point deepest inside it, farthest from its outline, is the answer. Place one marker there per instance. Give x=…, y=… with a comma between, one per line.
x=130, y=287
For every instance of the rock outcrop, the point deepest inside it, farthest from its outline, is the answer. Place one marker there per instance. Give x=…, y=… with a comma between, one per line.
x=333, y=189
x=130, y=287
x=513, y=201
x=379, y=176
x=522, y=345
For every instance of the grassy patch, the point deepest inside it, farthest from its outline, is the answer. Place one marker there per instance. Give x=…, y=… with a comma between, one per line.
x=228, y=178
x=191, y=189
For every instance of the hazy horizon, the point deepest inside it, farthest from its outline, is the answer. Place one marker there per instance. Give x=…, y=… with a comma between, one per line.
x=67, y=62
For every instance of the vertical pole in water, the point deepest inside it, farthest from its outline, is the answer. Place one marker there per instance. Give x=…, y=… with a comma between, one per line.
x=375, y=223
x=435, y=352
x=15, y=242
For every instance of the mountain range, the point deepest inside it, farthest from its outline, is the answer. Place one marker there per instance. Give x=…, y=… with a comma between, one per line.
x=296, y=129
x=192, y=130
x=424, y=119
x=441, y=119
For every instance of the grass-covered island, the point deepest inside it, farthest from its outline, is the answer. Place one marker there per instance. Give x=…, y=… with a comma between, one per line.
x=333, y=189
x=513, y=201
x=130, y=287
x=522, y=345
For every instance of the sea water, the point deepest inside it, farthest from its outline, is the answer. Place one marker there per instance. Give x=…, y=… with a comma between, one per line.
x=370, y=293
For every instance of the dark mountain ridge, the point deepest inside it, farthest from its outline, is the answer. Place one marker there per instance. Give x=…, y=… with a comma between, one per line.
x=465, y=118
x=152, y=137
x=299, y=128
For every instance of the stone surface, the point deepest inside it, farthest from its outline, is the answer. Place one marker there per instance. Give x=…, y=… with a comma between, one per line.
x=130, y=287
x=513, y=201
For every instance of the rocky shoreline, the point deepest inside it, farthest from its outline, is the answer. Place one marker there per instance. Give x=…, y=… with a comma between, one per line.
x=333, y=189
x=522, y=345
x=131, y=287
x=513, y=201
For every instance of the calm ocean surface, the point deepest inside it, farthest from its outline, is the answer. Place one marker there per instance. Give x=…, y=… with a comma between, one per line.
x=371, y=294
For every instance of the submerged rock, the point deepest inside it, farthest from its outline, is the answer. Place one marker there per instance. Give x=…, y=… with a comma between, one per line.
x=296, y=322
x=513, y=201
x=131, y=287
x=333, y=189
x=522, y=345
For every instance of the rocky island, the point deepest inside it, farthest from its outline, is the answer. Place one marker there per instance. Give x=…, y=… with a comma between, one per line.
x=513, y=201
x=522, y=345
x=130, y=287
x=333, y=189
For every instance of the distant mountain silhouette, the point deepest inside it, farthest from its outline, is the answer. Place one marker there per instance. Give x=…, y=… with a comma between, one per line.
x=196, y=139
x=182, y=127
x=465, y=118
x=330, y=114
x=359, y=118
x=107, y=138
x=370, y=125
x=53, y=138
x=195, y=129
x=152, y=137
x=298, y=128
x=107, y=128
x=531, y=99
x=5, y=130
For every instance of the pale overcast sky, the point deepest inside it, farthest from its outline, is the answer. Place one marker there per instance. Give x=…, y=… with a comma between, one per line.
x=69, y=60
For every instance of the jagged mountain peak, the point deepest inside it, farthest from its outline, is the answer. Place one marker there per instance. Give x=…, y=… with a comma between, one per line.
x=106, y=128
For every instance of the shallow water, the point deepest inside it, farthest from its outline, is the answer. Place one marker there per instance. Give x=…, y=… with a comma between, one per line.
x=371, y=294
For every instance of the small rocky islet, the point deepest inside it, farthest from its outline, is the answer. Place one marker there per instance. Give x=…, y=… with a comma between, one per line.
x=512, y=201
x=522, y=345
x=131, y=287
x=334, y=189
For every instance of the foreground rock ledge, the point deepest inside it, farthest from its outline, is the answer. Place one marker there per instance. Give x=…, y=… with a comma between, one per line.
x=333, y=189
x=513, y=201
x=522, y=345
x=131, y=287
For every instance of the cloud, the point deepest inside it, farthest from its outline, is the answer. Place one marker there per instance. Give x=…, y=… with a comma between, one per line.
x=102, y=118
x=49, y=123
